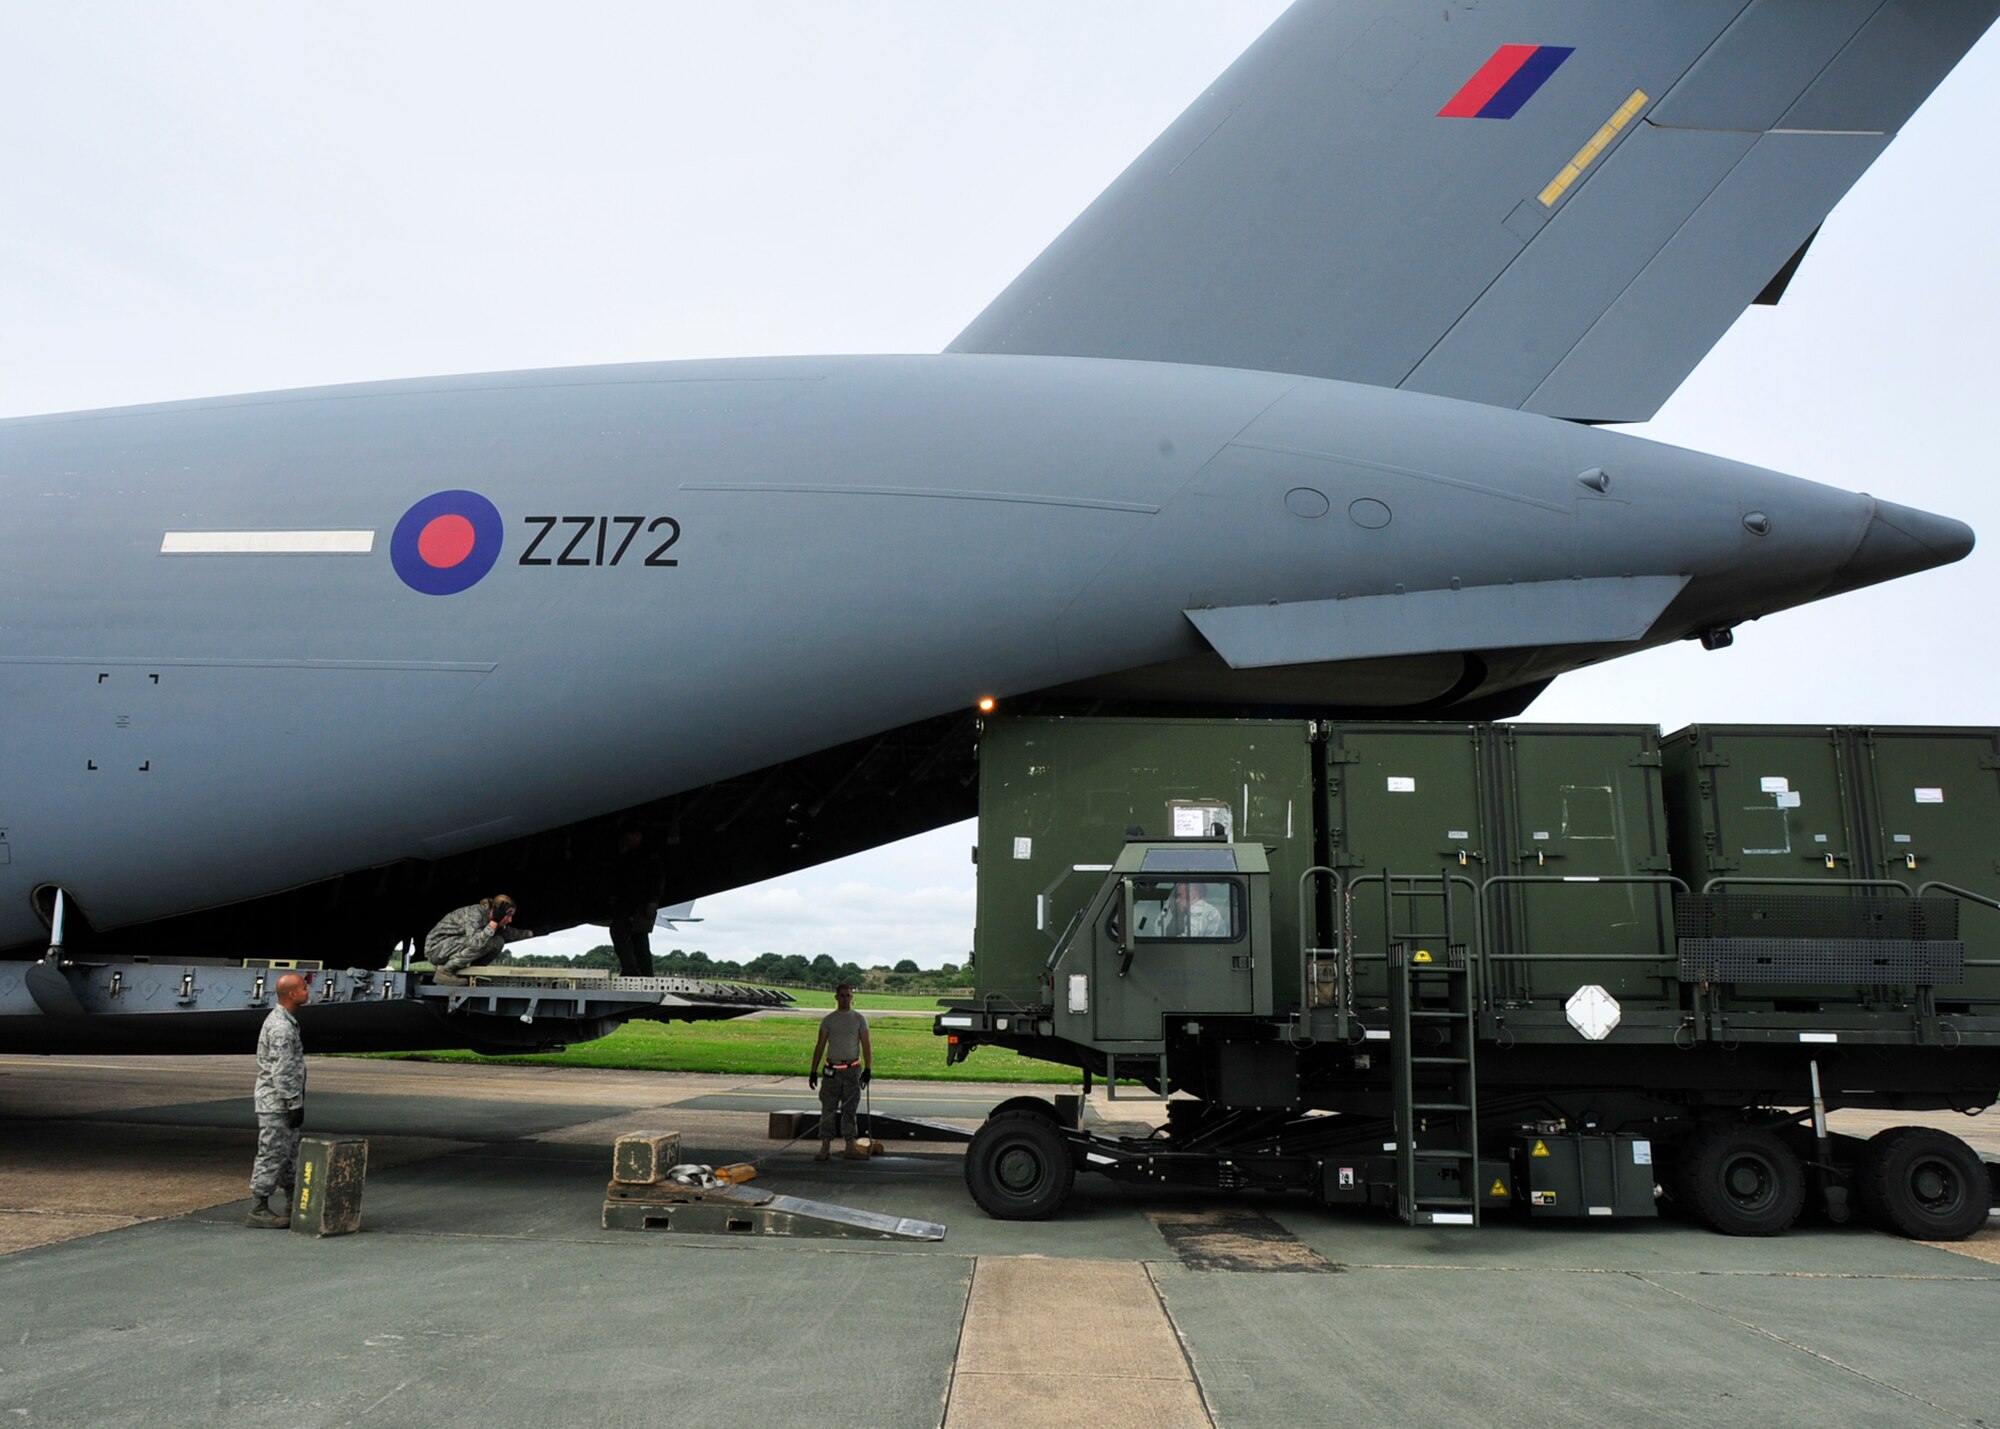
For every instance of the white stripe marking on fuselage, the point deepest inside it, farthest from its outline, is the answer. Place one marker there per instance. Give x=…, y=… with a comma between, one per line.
x=267, y=543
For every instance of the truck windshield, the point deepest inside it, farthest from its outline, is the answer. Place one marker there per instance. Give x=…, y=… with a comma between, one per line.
x=1185, y=910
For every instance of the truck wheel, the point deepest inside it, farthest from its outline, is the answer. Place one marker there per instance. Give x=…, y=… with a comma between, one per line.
x=1032, y=1106
x=1018, y=1166
x=1745, y=1181
x=1925, y=1184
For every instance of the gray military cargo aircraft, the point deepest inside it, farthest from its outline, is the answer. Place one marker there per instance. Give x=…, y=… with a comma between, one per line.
x=1303, y=413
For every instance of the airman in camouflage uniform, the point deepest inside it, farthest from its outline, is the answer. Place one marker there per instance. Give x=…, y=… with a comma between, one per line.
x=281, y=1106
x=466, y=937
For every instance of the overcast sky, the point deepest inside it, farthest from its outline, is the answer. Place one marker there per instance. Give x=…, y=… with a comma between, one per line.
x=220, y=198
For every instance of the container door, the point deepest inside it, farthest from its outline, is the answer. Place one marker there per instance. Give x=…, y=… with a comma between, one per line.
x=1775, y=803
x=1935, y=817
x=1585, y=803
x=1406, y=798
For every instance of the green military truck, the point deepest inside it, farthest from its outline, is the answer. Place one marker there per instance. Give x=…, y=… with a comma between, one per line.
x=1449, y=969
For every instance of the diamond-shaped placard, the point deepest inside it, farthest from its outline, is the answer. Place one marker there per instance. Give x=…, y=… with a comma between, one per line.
x=1593, y=1012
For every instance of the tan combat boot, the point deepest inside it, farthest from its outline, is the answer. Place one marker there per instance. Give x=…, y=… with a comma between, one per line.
x=825, y=1151
x=853, y=1151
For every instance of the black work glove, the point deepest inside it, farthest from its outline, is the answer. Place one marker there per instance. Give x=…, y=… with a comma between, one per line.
x=812, y=1080
x=296, y=1117
x=867, y=1075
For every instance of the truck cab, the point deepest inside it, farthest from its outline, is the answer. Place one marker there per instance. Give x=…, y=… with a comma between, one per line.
x=1177, y=930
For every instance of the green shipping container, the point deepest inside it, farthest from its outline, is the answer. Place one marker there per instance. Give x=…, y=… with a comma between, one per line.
x=1933, y=816
x=1844, y=807
x=1561, y=814
x=1057, y=795
x=1763, y=801
x=1403, y=799
x=1585, y=820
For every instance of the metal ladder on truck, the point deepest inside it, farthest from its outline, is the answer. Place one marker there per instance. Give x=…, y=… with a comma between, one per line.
x=1431, y=1029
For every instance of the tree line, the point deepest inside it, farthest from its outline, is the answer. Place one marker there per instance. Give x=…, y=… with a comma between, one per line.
x=792, y=970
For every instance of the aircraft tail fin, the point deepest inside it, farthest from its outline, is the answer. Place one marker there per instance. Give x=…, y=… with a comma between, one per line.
x=1544, y=205
x=672, y=918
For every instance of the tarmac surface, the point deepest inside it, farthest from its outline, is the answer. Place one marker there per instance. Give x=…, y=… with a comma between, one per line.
x=482, y=1290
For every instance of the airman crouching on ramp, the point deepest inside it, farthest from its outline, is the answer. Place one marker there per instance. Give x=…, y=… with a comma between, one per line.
x=469, y=936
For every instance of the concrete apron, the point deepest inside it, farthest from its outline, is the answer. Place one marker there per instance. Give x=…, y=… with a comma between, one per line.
x=481, y=1289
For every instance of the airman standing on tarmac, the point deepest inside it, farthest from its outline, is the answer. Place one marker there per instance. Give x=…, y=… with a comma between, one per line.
x=849, y=1066
x=281, y=1106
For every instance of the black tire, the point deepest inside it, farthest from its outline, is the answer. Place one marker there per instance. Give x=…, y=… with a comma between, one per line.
x=1925, y=1184
x=1018, y=1168
x=1744, y=1181
x=1033, y=1106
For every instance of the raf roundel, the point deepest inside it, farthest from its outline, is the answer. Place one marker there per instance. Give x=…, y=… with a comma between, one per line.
x=447, y=542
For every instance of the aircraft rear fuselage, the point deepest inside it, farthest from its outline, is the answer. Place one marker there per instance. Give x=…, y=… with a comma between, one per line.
x=248, y=643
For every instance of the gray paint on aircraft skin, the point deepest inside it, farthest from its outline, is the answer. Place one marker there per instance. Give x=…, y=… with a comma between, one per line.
x=313, y=714
x=1312, y=211
x=868, y=542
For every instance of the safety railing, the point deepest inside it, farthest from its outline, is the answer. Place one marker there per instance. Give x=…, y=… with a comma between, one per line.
x=1342, y=956
x=1970, y=897
x=1311, y=955
x=1821, y=883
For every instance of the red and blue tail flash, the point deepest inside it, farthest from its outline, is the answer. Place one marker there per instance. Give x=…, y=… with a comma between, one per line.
x=1506, y=82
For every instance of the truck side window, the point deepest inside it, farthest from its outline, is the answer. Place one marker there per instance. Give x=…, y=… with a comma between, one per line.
x=1186, y=910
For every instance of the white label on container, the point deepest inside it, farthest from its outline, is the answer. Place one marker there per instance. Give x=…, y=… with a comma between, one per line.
x=1457, y=834
x=1347, y=1175
x=1788, y=800
x=1642, y=1153
x=1539, y=835
x=1900, y=838
x=1930, y=796
x=1190, y=823
x=1024, y=848
x=1775, y=784
x=1819, y=838
x=1402, y=784
x=1819, y=1037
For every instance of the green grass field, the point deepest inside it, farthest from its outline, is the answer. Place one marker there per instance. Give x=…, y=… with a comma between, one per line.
x=905, y=1048
x=924, y=1002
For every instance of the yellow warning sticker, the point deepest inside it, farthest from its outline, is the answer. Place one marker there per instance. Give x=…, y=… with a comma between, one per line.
x=1499, y=1189
x=1541, y=1149
x=1420, y=956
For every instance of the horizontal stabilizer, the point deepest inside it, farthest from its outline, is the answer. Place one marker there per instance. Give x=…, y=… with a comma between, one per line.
x=1605, y=610
x=671, y=918
x=1535, y=204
